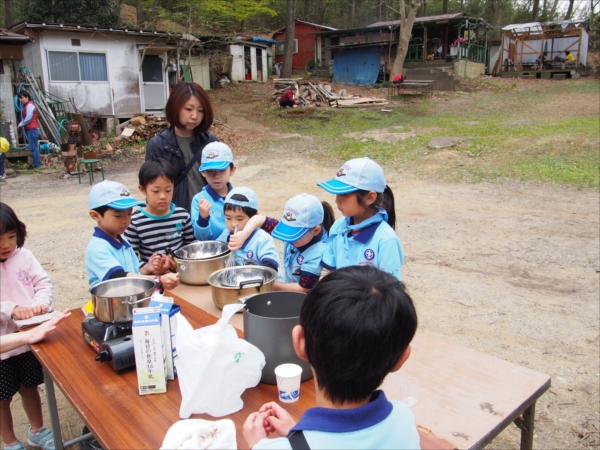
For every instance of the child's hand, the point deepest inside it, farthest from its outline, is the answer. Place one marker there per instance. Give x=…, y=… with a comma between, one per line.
x=170, y=281
x=254, y=428
x=237, y=240
x=154, y=264
x=39, y=309
x=204, y=206
x=277, y=419
x=21, y=313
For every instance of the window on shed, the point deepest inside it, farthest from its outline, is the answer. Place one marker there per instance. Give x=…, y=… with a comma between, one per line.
x=76, y=42
x=63, y=66
x=280, y=48
x=92, y=67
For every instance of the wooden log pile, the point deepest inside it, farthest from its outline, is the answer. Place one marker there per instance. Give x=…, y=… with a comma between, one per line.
x=142, y=127
x=322, y=95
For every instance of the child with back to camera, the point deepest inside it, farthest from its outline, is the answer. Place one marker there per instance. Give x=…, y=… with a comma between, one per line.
x=108, y=254
x=365, y=235
x=160, y=225
x=350, y=357
x=258, y=249
x=26, y=292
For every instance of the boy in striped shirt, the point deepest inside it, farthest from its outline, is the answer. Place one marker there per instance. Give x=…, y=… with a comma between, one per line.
x=160, y=225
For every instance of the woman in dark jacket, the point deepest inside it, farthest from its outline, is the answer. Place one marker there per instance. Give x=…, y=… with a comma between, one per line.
x=190, y=115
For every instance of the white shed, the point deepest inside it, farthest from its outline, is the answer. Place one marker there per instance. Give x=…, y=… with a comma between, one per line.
x=249, y=61
x=110, y=72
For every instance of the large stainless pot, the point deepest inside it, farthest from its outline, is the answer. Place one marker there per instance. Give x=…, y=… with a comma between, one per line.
x=196, y=261
x=262, y=280
x=114, y=300
x=268, y=322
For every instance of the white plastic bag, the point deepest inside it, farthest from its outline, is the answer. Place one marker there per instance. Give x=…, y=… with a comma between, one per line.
x=214, y=366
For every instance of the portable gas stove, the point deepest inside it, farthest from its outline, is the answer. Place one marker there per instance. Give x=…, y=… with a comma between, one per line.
x=113, y=343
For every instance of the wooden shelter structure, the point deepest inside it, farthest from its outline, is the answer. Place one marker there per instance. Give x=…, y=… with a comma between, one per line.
x=540, y=47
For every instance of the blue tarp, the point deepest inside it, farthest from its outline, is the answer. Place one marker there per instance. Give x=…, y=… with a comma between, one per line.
x=357, y=65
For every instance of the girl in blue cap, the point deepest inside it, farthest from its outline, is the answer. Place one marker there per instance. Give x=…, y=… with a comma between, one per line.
x=365, y=235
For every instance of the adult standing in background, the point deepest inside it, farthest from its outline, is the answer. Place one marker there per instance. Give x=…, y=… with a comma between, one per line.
x=31, y=127
x=190, y=116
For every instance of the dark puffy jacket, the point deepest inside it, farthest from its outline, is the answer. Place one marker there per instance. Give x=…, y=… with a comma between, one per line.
x=164, y=145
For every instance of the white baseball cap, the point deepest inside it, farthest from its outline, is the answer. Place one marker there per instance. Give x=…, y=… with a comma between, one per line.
x=246, y=192
x=301, y=214
x=356, y=175
x=216, y=156
x=112, y=194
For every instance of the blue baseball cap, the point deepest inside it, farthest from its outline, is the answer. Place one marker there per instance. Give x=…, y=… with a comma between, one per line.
x=302, y=213
x=246, y=192
x=111, y=194
x=216, y=156
x=361, y=174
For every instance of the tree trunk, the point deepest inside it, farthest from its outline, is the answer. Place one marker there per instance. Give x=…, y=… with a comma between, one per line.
x=8, y=13
x=569, y=10
x=406, y=25
x=535, y=10
x=288, y=52
x=141, y=13
x=306, y=9
x=169, y=6
x=352, y=12
x=553, y=10
x=499, y=14
x=445, y=7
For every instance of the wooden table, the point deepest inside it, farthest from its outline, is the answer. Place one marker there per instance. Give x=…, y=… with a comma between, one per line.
x=466, y=397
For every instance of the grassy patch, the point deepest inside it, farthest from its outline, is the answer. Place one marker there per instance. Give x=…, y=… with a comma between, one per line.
x=546, y=132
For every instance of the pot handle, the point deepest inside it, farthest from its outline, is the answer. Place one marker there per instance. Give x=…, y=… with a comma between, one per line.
x=246, y=298
x=136, y=302
x=250, y=283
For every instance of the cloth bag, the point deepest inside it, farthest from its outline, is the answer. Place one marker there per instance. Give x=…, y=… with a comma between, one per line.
x=215, y=366
x=201, y=434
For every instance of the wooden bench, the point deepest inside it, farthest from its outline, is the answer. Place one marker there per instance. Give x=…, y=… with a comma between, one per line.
x=422, y=87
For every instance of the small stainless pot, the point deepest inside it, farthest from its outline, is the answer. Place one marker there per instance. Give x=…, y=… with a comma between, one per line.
x=114, y=300
x=224, y=295
x=268, y=322
x=202, y=250
x=197, y=271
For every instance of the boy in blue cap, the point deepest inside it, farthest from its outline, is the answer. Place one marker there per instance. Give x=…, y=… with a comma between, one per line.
x=350, y=357
x=366, y=234
x=217, y=167
x=259, y=249
x=108, y=254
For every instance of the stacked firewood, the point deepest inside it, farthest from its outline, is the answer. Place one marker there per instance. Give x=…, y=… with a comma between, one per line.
x=322, y=95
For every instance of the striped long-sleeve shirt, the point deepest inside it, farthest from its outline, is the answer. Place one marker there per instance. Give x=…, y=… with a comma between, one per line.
x=149, y=234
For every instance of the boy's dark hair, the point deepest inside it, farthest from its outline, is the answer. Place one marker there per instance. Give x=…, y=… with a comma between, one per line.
x=180, y=94
x=155, y=168
x=384, y=200
x=250, y=212
x=328, y=216
x=10, y=222
x=357, y=322
x=101, y=210
x=24, y=94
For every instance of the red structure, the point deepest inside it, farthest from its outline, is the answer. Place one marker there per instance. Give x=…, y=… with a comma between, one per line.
x=304, y=43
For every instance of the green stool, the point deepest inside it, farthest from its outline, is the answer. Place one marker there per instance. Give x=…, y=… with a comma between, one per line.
x=89, y=163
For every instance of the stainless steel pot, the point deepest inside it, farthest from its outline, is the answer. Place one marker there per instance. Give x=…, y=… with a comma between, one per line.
x=202, y=250
x=224, y=295
x=114, y=300
x=268, y=322
x=197, y=271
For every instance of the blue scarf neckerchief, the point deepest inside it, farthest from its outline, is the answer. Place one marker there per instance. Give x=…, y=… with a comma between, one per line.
x=349, y=227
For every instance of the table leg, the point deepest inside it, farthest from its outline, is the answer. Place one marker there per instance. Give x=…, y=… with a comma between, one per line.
x=526, y=424
x=53, y=411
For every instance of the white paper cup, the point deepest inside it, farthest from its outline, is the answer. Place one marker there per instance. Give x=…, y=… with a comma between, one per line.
x=410, y=390
x=288, y=382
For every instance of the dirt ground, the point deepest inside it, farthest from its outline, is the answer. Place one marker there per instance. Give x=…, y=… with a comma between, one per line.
x=510, y=269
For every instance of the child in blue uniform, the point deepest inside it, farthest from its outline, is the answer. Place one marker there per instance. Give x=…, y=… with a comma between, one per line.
x=108, y=254
x=217, y=167
x=365, y=235
x=258, y=249
x=350, y=356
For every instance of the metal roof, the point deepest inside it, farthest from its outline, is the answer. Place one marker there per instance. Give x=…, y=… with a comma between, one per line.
x=90, y=29
x=7, y=36
x=422, y=19
x=316, y=25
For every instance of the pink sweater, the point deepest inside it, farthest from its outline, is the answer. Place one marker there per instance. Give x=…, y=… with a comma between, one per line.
x=23, y=282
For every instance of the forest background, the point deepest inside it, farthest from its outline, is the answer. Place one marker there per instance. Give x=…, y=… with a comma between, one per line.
x=265, y=16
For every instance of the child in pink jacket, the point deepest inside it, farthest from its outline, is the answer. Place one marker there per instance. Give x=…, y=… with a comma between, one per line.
x=25, y=291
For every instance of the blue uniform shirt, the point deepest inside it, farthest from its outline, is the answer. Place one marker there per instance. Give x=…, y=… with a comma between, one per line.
x=302, y=265
x=258, y=249
x=376, y=244
x=381, y=424
x=210, y=228
x=104, y=256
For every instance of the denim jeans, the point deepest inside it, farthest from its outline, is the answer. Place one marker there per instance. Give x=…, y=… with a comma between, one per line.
x=2, y=158
x=32, y=139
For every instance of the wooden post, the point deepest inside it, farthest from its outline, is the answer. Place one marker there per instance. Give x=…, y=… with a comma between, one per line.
x=425, y=43
x=578, y=47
